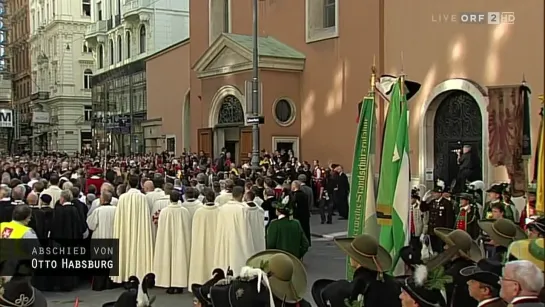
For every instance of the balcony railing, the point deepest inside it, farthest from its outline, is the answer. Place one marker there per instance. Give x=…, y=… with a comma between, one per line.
x=110, y=24
x=133, y=6
x=98, y=27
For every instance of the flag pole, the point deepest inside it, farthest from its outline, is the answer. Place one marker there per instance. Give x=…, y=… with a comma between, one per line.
x=525, y=160
x=402, y=77
x=373, y=79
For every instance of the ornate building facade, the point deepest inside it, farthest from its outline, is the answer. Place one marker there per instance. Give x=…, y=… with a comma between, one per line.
x=62, y=66
x=122, y=35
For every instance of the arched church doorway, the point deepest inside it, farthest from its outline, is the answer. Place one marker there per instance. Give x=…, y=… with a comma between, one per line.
x=457, y=122
x=230, y=133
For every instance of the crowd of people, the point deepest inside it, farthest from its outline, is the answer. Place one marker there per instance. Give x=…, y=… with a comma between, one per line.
x=196, y=209
x=237, y=236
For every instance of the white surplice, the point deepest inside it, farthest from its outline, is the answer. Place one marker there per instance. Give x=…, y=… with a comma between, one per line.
x=192, y=205
x=223, y=198
x=55, y=193
x=101, y=222
x=203, y=240
x=132, y=226
x=173, y=248
x=256, y=216
x=234, y=243
x=154, y=195
x=159, y=205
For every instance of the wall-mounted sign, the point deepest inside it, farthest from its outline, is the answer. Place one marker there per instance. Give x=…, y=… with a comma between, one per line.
x=6, y=118
x=40, y=117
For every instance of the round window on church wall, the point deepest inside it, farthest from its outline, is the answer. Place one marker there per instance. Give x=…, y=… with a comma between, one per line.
x=284, y=112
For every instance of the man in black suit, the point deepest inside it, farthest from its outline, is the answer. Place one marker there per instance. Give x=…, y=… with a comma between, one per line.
x=341, y=193
x=301, y=211
x=469, y=168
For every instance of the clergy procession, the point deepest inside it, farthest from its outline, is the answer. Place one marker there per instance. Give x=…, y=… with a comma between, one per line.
x=230, y=235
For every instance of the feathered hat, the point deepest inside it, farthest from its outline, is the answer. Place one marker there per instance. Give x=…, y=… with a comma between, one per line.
x=439, y=186
x=202, y=292
x=427, y=286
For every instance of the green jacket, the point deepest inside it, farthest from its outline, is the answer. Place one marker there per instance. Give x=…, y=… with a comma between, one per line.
x=287, y=235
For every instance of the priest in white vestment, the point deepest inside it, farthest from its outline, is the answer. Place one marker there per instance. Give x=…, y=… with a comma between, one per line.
x=158, y=182
x=227, y=195
x=203, y=239
x=132, y=226
x=159, y=205
x=256, y=217
x=101, y=220
x=101, y=223
x=191, y=202
x=173, y=248
x=234, y=244
x=106, y=187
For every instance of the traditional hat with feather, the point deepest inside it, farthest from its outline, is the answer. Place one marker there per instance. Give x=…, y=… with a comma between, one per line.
x=497, y=188
x=439, y=186
x=427, y=286
x=201, y=292
x=286, y=274
x=385, y=86
x=136, y=294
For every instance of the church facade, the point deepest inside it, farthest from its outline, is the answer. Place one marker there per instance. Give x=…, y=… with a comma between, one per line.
x=315, y=59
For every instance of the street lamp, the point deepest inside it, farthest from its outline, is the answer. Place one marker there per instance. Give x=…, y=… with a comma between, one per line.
x=255, y=89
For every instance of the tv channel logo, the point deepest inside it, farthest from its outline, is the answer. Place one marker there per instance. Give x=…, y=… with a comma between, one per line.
x=496, y=18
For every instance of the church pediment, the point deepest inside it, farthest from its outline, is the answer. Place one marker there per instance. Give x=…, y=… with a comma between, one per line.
x=232, y=53
x=227, y=57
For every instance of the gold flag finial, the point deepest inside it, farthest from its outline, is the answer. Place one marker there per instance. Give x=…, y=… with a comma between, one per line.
x=542, y=98
x=373, y=77
x=523, y=79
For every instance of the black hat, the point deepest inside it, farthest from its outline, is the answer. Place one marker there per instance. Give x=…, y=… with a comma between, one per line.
x=486, y=271
x=249, y=293
x=424, y=290
x=439, y=186
x=331, y=293
x=498, y=189
x=415, y=193
x=385, y=87
x=317, y=288
x=201, y=292
x=46, y=198
x=538, y=225
x=466, y=196
x=17, y=292
x=410, y=256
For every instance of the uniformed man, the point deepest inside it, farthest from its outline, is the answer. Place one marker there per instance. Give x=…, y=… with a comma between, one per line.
x=441, y=214
x=511, y=211
x=467, y=216
x=418, y=220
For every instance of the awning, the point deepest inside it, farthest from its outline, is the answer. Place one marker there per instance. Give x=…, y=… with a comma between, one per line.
x=37, y=135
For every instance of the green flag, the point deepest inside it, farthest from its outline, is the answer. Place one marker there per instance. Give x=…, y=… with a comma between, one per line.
x=394, y=185
x=362, y=215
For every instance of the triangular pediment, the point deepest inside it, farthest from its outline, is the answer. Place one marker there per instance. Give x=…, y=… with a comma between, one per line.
x=227, y=57
x=231, y=53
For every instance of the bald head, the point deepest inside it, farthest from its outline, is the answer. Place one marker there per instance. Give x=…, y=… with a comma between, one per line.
x=148, y=186
x=32, y=199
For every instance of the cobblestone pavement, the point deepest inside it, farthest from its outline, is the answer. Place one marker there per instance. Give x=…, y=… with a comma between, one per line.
x=324, y=260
